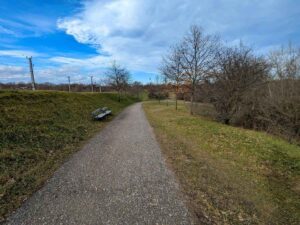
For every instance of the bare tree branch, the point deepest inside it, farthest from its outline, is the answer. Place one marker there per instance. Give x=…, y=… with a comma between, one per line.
x=118, y=78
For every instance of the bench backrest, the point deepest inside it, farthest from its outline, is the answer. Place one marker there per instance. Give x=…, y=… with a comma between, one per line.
x=100, y=110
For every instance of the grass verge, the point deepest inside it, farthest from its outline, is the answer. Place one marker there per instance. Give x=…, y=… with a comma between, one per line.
x=38, y=130
x=230, y=175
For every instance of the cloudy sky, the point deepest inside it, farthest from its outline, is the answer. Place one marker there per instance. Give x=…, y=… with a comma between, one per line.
x=81, y=38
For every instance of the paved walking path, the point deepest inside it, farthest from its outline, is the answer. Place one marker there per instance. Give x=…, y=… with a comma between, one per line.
x=119, y=177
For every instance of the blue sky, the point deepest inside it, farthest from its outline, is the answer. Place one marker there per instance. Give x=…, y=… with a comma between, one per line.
x=81, y=38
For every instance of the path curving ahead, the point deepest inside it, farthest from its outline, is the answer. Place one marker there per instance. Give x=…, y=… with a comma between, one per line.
x=119, y=177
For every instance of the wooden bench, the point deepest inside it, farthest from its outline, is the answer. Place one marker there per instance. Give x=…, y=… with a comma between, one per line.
x=101, y=113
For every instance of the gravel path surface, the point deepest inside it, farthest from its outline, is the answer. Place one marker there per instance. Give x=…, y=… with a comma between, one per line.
x=119, y=177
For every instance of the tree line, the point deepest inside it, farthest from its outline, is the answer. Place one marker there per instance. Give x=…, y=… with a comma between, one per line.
x=75, y=87
x=246, y=89
x=117, y=78
x=254, y=91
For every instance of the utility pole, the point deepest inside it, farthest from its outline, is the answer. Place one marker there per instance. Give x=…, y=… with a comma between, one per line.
x=31, y=72
x=100, y=87
x=69, y=79
x=92, y=86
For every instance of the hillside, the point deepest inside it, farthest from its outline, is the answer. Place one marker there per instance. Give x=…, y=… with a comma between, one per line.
x=38, y=131
x=230, y=175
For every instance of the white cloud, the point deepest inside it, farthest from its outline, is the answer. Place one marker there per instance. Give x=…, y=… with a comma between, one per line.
x=55, y=74
x=4, y=30
x=137, y=32
x=77, y=73
x=18, y=53
x=92, y=62
x=27, y=25
x=123, y=29
x=5, y=69
x=9, y=73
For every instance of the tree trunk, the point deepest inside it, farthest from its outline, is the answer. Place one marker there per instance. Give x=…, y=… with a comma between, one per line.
x=176, y=98
x=192, y=103
x=270, y=92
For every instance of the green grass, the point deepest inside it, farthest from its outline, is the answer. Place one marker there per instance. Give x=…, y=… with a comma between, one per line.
x=38, y=131
x=230, y=175
x=144, y=95
x=206, y=110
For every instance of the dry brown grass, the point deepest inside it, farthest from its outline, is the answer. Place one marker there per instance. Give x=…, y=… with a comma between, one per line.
x=230, y=175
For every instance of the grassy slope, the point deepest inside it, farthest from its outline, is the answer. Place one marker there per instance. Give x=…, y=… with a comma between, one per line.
x=231, y=175
x=37, y=132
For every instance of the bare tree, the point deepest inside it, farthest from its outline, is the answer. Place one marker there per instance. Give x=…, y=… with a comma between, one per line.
x=172, y=68
x=118, y=78
x=238, y=75
x=198, y=57
x=285, y=62
x=286, y=68
x=136, y=88
x=281, y=108
x=246, y=89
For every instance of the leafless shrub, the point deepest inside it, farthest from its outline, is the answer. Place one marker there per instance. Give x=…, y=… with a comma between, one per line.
x=280, y=111
x=258, y=93
x=136, y=88
x=238, y=75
